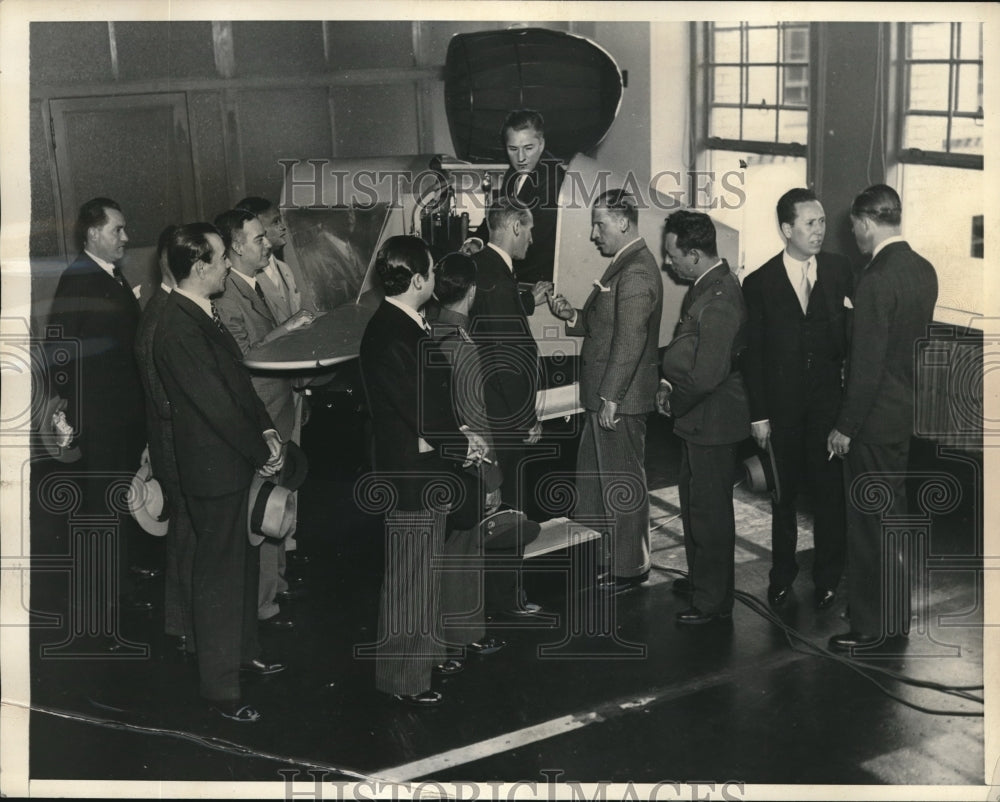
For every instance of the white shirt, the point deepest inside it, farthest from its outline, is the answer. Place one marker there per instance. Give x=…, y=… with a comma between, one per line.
x=248, y=279
x=623, y=247
x=411, y=313
x=165, y=288
x=204, y=303
x=107, y=267
x=886, y=241
x=793, y=267
x=503, y=255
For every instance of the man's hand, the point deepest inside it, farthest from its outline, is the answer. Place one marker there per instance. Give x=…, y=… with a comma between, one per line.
x=606, y=417
x=276, y=461
x=541, y=291
x=761, y=432
x=560, y=307
x=477, y=447
x=838, y=444
x=299, y=320
x=534, y=434
x=663, y=400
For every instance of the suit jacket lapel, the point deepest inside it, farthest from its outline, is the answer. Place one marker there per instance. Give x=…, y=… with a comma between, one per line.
x=207, y=325
x=247, y=292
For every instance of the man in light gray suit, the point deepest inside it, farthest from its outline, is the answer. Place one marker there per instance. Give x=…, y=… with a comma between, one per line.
x=620, y=326
x=246, y=314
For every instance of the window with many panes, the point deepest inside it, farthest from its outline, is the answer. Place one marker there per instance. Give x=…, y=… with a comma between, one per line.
x=757, y=82
x=942, y=114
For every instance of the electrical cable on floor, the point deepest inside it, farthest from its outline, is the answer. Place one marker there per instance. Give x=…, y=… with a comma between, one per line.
x=210, y=742
x=760, y=608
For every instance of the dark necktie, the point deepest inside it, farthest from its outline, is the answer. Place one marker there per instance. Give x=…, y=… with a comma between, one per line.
x=260, y=292
x=217, y=320
x=117, y=273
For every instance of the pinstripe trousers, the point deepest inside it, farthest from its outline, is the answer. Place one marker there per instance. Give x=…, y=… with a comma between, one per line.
x=612, y=493
x=410, y=604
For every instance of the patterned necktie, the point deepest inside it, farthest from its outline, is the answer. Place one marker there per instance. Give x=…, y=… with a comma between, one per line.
x=119, y=277
x=805, y=286
x=216, y=319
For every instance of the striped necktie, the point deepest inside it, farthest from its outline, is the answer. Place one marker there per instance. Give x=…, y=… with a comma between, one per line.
x=216, y=319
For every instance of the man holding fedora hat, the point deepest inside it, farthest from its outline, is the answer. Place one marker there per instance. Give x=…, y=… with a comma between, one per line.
x=222, y=436
x=797, y=341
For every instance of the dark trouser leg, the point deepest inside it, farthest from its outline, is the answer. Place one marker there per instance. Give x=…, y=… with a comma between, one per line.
x=788, y=447
x=224, y=593
x=710, y=526
x=866, y=542
x=826, y=479
x=462, y=618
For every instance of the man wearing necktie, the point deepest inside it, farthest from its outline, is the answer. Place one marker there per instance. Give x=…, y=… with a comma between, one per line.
x=703, y=391
x=95, y=306
x=893, y=306
x=245, y=313
x=793, y=366
x=620, y=326
x=222, y=435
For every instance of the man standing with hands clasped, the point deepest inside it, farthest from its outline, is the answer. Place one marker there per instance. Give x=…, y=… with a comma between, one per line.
x=620, y=326
x=893, y=305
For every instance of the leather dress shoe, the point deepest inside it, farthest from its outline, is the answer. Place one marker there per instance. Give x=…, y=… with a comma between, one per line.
x=824, y=597
x=277, y=622
x=486, y=646
x=236, y=711
x=143, y=572
x=692, y=616
x=619, y=584
x=777, y=595
x=262, y=668
x=850, y=640
x=290, y=594
x=526, y=609
x=449, y=667
x=682, y=586
x=425, y=699
x=139, y=605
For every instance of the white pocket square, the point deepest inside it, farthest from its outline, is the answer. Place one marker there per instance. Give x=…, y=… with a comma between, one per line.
x=137, y=291
x=847, y=303
x=601, y=287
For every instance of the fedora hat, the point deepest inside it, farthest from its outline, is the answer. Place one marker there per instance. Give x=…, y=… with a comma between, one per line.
x=506, y=528
x=147, y=501
x=762, y=473
x=53, y=430
x=273, y=504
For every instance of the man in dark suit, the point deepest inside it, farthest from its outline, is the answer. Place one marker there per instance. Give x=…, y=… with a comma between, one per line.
x=222, y=434
x=893, y=305
x=95, y=305
x=620, y=326
x=531, y=182
x=797, y=343
x=245, y=312
x=704, y=392
x=413, y=424
x=180, y=542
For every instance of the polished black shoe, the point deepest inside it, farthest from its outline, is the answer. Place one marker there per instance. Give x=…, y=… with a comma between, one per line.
x=261, y=668
x=692, y=616
x=526, y=609
x=236, y=711
x=777, y=595
x=143, y=572
x=824, y=597
x=449, y=667
x=139, y=605
x=682, y=586
x=425, y=699
x=290, y=594
x=619, y=584
x=486, y=646
x=296, y=581
x=852, y=640
x=277, y=622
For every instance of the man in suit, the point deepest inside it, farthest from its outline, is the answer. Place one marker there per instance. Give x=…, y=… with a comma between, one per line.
x=283, y=298
x=893, y=305
x=704, y=392
x=620, y=326
x=95, y=306
x=531, y=182
x=245, y=312
x=222, y=434
x=797, y=343
x=413, y=424
x=180, y=542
